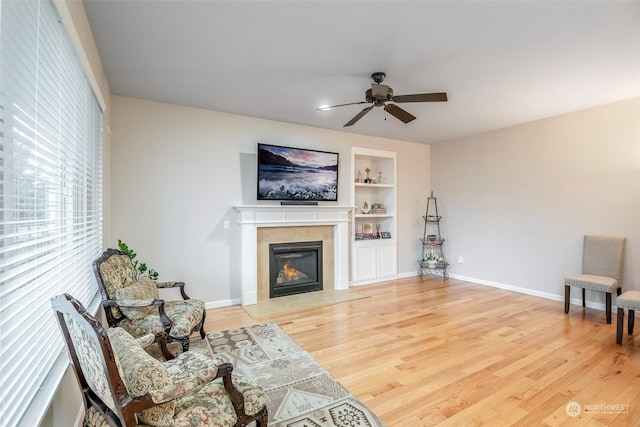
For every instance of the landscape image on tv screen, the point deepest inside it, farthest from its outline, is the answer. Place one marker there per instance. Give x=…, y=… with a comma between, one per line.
x=286, y=173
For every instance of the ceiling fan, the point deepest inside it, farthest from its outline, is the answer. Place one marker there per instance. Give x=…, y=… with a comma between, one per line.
x=382, y=96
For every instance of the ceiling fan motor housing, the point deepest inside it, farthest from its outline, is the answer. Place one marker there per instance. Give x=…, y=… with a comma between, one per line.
x=379, y=94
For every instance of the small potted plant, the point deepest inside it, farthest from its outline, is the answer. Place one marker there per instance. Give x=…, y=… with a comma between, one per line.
x=140, y=267
x=432, y=259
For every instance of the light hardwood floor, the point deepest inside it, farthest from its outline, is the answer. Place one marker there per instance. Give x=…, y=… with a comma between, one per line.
x=422, y=352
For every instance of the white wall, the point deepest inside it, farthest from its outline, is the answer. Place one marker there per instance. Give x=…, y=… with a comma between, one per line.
x=516, y=202
x=176, y=173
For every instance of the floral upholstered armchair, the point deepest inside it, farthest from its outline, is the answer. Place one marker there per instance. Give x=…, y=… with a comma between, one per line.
x=134, y=304
x=122, y=385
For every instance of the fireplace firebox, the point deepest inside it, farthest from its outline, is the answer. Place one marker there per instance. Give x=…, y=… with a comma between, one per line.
x=295, y=268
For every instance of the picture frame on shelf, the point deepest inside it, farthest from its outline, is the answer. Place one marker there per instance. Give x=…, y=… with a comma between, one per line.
x=385, y=235
x=367, y=228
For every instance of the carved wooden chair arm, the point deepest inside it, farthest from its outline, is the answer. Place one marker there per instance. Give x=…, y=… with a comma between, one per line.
x=165, y=285
x=237, y=399
x=159, y=303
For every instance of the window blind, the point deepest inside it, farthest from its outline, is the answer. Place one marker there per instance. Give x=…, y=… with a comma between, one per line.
x=50, y=195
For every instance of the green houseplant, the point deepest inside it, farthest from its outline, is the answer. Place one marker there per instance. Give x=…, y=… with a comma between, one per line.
x=140, y=267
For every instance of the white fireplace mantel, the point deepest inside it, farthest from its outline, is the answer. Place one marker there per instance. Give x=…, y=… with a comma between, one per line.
x=253, y=217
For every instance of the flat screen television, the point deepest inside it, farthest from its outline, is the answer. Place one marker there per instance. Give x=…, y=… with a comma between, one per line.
x=297, y=174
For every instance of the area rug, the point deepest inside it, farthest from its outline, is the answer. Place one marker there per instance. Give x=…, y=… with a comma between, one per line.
x=300, y=392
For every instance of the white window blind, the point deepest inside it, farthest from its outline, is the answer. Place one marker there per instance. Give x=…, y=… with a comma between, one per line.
x=50, y=195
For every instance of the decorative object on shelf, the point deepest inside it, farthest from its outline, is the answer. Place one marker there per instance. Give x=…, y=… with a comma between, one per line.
x=379, y=177
x=367, y=228
x=378, y=208
x=367, y=180
x=432, y=261
x=365, y=236
x=385, y=235
x=359, y=178
x=366, y=207
x=378, y=231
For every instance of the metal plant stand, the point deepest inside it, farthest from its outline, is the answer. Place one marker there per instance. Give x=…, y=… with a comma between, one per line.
x=433, y=261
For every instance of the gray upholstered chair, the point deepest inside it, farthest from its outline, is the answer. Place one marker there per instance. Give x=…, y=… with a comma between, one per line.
x=122, y=385
x=631, y=301
x=602, y=266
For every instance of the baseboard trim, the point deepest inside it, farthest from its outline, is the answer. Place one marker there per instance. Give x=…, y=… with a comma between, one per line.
x=407, y=275
x=532, y=292
x=222, y=303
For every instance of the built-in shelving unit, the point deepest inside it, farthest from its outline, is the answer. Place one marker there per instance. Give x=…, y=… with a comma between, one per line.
x=374, y=223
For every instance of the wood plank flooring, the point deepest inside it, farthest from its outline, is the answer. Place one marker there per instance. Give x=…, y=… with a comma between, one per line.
x=422, y=352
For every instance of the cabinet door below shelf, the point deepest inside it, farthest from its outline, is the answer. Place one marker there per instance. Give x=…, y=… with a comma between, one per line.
x=374, y=260
x=364, y=266
x=386, y=259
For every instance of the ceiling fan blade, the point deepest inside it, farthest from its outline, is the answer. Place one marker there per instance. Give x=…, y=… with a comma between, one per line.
x=341, y=105
x=358, y=116
x=421, y=97
x=399, y=113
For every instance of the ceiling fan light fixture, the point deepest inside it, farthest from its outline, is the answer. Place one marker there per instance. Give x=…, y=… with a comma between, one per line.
x=381, y=91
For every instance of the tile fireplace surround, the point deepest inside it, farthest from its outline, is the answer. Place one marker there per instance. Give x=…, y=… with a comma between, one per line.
x=254, y=217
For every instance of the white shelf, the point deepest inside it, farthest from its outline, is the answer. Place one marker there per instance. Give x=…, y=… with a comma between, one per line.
x=362, y=184
x=374, y=216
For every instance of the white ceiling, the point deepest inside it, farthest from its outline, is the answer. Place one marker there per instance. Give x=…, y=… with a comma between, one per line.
x=501, y=63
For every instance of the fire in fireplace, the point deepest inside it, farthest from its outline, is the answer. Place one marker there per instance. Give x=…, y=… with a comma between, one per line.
x=295, y=268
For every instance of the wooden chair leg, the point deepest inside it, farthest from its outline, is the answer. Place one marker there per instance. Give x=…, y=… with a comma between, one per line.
x=584, y=299
x=632, y=315
x=608, y=306
x=161, y=339
x=184, y=342
x=620, y=322
x=618, y=291
x=203, y=334
x=567, y=296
